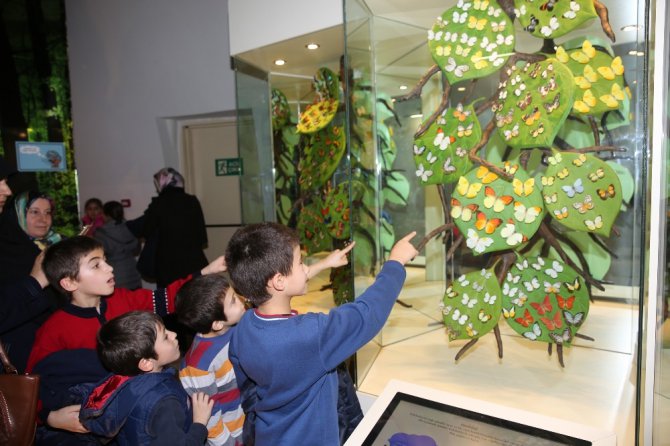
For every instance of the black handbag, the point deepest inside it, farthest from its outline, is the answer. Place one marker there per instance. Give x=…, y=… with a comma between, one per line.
x=18, y=404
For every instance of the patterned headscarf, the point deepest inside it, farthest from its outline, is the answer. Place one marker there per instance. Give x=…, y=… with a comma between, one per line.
x=167, y=177
x=21, y=205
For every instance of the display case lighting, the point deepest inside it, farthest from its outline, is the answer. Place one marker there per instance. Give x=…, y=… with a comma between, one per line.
x=461, y=89
x=418, y=115
x=629, y=28
x=312, y=46
x=403, y=87
x=279, y=62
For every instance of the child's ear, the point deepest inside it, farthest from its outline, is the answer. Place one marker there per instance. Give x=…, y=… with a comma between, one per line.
x=146, y=365
x=218, y=325
x=69, y=284
x=277, y=282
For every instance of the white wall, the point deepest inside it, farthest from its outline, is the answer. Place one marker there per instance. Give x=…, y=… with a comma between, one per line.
x=132, y=64
x=256, y=23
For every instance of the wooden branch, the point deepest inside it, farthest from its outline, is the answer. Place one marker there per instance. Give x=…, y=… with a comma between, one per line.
x=486, y=135
x=602, y=12
x=588, y=338
x=465, y=348
x=454, y=247
x=444, y=103
x=559, y=353
x=445, y=227
x=602, y=244
x=416, y=91
x=496, y=332
x=595, y=130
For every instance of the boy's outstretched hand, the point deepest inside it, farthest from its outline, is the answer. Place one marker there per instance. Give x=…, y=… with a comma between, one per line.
x=202, y=407
x=335, y=259
x=403, y=251
x=217, y=265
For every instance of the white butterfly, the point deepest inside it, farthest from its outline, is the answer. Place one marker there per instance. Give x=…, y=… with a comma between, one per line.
x=423, y=173
x=448, y=36
x=548, y=30
x=438, y=35
x=460, y=151
x=594, y=224
x=572, y=13
x=494, y=12
x=470, y=303
x=535, y=332
x=486, y=274
x=441, y=140
x=554, y=270
x=499, y=26
x=552, y=287
x=508, y=290
x=431, y=34
x=464, y=5
x=463, y=280
x=459, y=18
x=431, y=158
x=419, y=150
x=448, y=168
x=575, y=320
x=540, y=263
x=477, y=286
x=526, y=214
x=458, y=70
x=476, y=243
x=497, y=61
x=521, y=300
x=521, y=11
x=576, y=188
x=446, y=309
x=515, y=80
x=511, y=238
x=523, y=265
x=460, y=318
x=490, y=299
x=519, y=90
x=512, y=278
x=532, y=285
x=502, y=40
x=566, y=336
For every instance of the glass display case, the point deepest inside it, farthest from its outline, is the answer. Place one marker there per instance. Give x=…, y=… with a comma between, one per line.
x=568, y=343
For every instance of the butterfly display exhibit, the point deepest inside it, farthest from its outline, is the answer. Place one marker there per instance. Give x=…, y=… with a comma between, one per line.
x=544, y=183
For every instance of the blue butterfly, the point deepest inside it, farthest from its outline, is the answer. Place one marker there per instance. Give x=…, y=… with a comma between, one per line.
x=576, y=188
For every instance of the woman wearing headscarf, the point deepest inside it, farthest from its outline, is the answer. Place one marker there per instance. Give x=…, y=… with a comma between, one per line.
x=176, y=222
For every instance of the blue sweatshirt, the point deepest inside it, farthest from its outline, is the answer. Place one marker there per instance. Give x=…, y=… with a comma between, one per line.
x=292, y=360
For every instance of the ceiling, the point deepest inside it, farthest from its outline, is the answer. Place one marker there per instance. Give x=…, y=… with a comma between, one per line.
x=400, y=48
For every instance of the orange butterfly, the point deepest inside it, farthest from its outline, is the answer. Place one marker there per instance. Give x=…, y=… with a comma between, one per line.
x=465, y=213
x=498, y=203
x=484, y=174
x=609, y=192
x=553, y=324
x=526, y=320
x=564, y=303
x=489, y=226
x=544, y=307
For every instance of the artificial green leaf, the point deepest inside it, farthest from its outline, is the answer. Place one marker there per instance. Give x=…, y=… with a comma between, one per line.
x=321, y=158
x=313, y=232
x=471, y=40
x=597, y=258
x=441, y=153
x=549, y=19
x=396, y=189
x=317, y=116
x=581, y=192
x=336, y=212
x=327, y=84
x=280, y=109
x=495, y=214
x=533, y=103
x=625, y=178
x=471, y=305
x=544, y=300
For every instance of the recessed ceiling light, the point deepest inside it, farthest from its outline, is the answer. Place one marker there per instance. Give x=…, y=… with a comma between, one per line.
x=279, y=62
x=461, y=89
x=403, y=87
x=312, y=46
x=630, y=28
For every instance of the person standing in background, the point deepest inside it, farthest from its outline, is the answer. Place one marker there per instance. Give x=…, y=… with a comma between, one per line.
x=120, y=245
x=93, y=217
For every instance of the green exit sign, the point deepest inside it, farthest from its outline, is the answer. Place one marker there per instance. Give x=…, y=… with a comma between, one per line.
x=228, y=166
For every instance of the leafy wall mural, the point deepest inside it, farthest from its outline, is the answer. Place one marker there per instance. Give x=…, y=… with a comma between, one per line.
x=35, y=103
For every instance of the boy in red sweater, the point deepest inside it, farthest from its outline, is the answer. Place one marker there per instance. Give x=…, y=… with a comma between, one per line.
x=64, y=351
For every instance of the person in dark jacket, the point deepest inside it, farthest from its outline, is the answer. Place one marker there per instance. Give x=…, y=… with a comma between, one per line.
x=176, y=219
x=143, y=403
x=120, y=245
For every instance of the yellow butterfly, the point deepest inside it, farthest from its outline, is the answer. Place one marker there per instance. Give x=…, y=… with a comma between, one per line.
x=470, y=330
x=590, y=74
x=574, y=286
x=617, y=92
x=588, y=49
x=510, y=168
x=607, y=73
x=484, y=174
x=582, y=82
x=581, y=107
x=466, y=189
x=479, y=61
x=609, y=100
x=561, y=55
x=594, y=224
x=580, y=56
x=509, y=313
x=580, y=160
x=481, y=4
x=589, y=99
x=598, y=174
x=617, y=66
x=538, y=131
x=484, y=317
x=474, y=23
x=523, y=188
x=443, y=50
x=463, y=51
x=450, y=292
x=531, y=117
x=465, y=131
x=555, y=159
x=547, y=181
x=553, y=198
x=563, y=174
x=562, y=213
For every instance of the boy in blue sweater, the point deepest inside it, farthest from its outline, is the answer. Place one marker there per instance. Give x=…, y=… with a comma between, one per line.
x=292, y=358
x=143, y=402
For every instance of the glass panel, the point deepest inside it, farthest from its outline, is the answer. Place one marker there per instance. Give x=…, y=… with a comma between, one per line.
x=593, y=383
x=254, y=142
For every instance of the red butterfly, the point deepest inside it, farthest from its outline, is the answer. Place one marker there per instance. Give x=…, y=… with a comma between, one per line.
x=526, y=320
x=553, y=324
x=544, y=307
x=564, y=303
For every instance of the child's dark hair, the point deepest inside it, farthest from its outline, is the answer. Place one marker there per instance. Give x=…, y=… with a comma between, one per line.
x=125, y=340
x=114, y=210
x=255, y=254
x=61, y=260
x=93, y=201
x=200, y=302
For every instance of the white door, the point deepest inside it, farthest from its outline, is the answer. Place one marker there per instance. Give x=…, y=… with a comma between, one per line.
x=219, y=195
